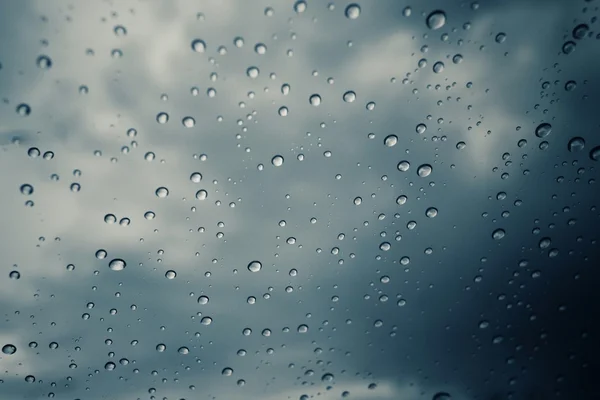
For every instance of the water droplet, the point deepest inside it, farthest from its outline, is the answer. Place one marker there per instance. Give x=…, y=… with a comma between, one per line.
x=30, y=379
x=149, y=215
x=543, y=130
x=315, y=100
x=260, y=48
x=277, y=161
x=457, y=59
x=570, y=86
x=438, y=67
x=327, y=377
x=162, y=192
x=424, y=170
x=501, y=37
x=206, y=321
x=436, y=19
x=498, y=234
x=421, y=128
x=203, y=300
x=302, y=328
x=9, y=349
x=441, y=396
x=352, y=11
x=199, y=46
x=238, y=42
x=349, y=96
x=162, y=118
x=23, y=110
x=385, y=246
x=357, y=201
x=101, y=254
x=255, y=266
x=401, y=200
x=283, y=111
x=403, y=166
x=14, y=275
x=149, y=156
x=544, y=243
x=285, y=89
x=227, y=372
x=201, y=194
x=407, y=11
x=390, y=140
x=44, y=62
x=26, y=189
x=33, y=152
x=252, y=72
x=170, y=274
x=300, y=6
x=120, y=30
x=110, y=218
x=196, y=177
x=109, y=366
x=431, y=212
x=568, y=47
x=595, y=153
x=576, y=144
x=188, y=122
x=117, y=264
x=580, y=31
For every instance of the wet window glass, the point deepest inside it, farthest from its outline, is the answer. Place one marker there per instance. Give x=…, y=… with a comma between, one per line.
x=299, y=199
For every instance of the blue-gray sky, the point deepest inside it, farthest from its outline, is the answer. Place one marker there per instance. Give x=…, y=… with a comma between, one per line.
x=402, y=299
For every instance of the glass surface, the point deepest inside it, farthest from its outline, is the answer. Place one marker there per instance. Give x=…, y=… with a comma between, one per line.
x=299, y=200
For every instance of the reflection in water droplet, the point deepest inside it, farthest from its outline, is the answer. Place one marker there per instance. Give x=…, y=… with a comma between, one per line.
x=277, y=161
x=349, y=96
x=436, y=19
x=198, y=46
x=424, y=170
x=352, y=11
x=576, y=144
x=543, y=130
x=162, y=192
x=117, y=264
x=255, y=266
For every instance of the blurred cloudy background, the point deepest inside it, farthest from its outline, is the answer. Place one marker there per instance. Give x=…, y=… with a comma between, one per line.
x=480, y=283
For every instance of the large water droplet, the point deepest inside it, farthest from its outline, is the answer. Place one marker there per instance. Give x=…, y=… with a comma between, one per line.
x=580, y=31
x=201, y=194
x=390, y=140
x=300, y=6
x=436, y=19
x=203, y=300
x=315, y=100
x=117, y=264
x=162, y=192
x=277, y=161
x=352, y=11
x=424, y=170
x=255, y=266
x=349, y=96
x=227, y=372
x=9, y=349
x=543, y=130
x=576, y=144
x=199, y=46
x=498, y=234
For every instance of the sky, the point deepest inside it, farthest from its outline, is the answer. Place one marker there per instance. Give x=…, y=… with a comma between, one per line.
x=299, y=200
